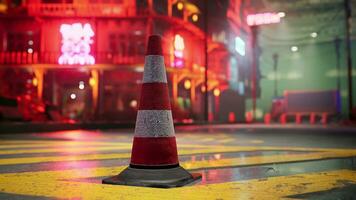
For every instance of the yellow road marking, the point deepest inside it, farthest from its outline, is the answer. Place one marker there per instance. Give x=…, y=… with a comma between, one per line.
x=65, y=150
x=65, y=144
x=249, y=160
x=45, y=143
x=256, y=141
x=208, y=139
x=73, y=146
x=28, y=160
x=259, y=160
x=55, y=184
x=51, y=144
x=78, y=148
x=226, y=140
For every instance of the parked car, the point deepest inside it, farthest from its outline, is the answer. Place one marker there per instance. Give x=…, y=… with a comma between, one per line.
x=9, y=109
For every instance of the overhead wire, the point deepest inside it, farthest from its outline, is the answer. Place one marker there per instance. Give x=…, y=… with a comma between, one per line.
x=306, y=38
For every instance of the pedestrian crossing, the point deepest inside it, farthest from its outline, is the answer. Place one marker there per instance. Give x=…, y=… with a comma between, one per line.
x=83, y=181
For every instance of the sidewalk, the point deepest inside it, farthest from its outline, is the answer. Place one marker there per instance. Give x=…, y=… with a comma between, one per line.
x=26, y=127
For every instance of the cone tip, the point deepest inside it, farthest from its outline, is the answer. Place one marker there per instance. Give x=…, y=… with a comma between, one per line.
x=154, y=46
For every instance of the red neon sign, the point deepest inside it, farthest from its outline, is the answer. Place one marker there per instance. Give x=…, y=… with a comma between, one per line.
x=76, y=41
x=263, y=18
x=178, y=51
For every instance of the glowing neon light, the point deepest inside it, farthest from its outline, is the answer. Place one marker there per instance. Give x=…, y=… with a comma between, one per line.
x=263, y=18
x=178, y=51
x=178, y=54
x=76, y=41
x=240, y=46
x=178, y=42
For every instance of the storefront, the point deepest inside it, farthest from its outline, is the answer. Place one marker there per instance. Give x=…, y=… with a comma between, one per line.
x=81, y=68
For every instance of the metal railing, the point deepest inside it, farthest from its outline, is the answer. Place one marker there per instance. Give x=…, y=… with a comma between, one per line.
x=121, y=58
x=55, y=9
x=24, y=57
x=19, y=57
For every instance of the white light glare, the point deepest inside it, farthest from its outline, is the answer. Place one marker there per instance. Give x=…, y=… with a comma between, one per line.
x=240, y=46
x=81, y=85
x=294, y=48
x=314, y=34
x=281, y=14
x=73, y=96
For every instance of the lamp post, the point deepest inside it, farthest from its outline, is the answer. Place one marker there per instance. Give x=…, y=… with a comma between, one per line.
x=254, y=66
x=275, y=65
x=254, y=21
x=337, y=50
x=348, y=17
x=206, y=103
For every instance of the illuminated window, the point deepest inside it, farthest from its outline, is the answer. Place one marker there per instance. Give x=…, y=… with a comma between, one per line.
x=76, y=41
x=240, y=46
x=178, y=42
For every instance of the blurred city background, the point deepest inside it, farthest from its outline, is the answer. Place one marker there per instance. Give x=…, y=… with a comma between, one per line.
x=269, y=61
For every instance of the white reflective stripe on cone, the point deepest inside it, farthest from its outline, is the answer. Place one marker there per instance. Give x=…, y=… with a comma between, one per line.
x=155, y=70
x=154, y=123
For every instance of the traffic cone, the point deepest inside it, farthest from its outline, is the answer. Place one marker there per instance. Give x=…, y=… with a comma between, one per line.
x=298, y=118
x=312, y=118
x=154, y=158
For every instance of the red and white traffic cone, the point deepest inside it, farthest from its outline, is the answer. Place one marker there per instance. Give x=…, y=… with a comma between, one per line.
x=154, y=158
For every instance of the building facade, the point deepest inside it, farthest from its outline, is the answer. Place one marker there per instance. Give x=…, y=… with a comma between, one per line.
x=82, y=60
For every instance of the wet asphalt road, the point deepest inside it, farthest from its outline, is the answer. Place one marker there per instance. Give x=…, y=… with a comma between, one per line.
x=293, y=162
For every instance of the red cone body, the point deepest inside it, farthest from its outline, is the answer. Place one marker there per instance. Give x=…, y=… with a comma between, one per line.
x=154, y=142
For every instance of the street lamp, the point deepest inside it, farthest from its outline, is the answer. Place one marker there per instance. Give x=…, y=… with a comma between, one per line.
x=314, y=34
x=188, y=9
x=180, y=5
x=294, y=48
x=275, y=65
x=187, y=84
x=195, y=17
x=348, y=17
x=254, y=21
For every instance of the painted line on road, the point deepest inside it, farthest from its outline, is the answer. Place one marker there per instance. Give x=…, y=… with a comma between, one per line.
x=45, y=144
x=65, y=150
x=82, y=149
x=55, y=184
x=262, y=160
x=257, y=159
x=64, y=144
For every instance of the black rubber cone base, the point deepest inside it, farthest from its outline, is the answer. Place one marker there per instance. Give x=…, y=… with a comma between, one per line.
x=160, y=178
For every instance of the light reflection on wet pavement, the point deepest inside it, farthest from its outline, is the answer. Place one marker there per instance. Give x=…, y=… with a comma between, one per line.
x=224, y=156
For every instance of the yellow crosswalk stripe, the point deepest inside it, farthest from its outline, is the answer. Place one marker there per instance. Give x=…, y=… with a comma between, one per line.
x=251, y=160
x=58, y=184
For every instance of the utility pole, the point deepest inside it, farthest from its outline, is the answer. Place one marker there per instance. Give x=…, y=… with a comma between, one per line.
x=347, y=4
x=206, y=104
x=254, y=38
x=337, y=49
